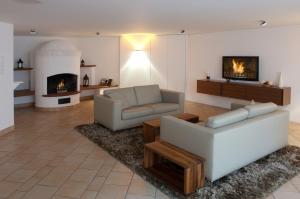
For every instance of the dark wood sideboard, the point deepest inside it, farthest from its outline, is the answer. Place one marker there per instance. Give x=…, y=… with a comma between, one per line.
x=256, y=92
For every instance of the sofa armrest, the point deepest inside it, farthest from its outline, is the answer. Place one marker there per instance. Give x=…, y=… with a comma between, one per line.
x=107, y=111
x=173, y=97
x=191, y=137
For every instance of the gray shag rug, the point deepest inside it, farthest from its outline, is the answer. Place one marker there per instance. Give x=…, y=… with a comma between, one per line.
x=256, y=180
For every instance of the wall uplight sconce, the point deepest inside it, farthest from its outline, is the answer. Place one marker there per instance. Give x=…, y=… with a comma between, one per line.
x=138, y=58
x=139, y=41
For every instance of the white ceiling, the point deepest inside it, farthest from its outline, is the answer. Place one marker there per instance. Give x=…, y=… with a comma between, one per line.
x=115, y=17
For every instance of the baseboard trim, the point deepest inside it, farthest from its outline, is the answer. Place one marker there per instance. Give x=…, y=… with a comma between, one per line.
x=56, y=108
x=7, y=130
x=85, y=98
x=25, y=105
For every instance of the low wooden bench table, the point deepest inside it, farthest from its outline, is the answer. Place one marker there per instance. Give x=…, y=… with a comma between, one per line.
x=187, y=179
x=151, y=128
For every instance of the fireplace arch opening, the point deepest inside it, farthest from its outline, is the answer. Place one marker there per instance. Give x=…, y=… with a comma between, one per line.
x=61, y=83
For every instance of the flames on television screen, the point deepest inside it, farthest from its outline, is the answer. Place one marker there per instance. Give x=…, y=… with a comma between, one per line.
x=238, y=67
x=244, y=68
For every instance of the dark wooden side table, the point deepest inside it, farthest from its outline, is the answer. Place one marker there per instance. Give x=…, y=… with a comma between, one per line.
x=151, y=128
x=187, y=180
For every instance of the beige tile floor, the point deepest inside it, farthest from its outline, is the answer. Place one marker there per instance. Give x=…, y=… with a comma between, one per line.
x=45, y=158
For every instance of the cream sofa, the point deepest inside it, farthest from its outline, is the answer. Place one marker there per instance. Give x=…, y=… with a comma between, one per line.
x=124, y=108
x=231, y=140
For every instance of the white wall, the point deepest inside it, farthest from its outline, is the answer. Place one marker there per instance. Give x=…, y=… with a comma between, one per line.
x=277, y=48
x=101, y=51
x=6, y=76
x=162, y=62
x=168, y=61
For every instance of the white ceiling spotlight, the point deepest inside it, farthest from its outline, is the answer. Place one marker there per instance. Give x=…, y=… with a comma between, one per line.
x=262, y=23
x=32, y=31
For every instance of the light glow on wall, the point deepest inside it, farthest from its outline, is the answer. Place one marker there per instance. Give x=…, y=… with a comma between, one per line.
x=139, y=41
x=137, y=59
x=135, y=68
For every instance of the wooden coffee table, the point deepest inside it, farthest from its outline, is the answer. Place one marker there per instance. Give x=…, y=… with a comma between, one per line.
x=151, y=128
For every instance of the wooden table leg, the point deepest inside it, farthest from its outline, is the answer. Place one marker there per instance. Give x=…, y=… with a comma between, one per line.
x=148, y=158
x=149, y=133
x=188, y=181
x=200, y=175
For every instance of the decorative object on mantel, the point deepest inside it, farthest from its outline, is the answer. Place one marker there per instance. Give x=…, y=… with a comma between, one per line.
x=256, y=180
x=280, y=83
x=105, y=82
x=20, y=63
x=207, y=76
x=267, y=83
x=86, y=80
x=82, y=63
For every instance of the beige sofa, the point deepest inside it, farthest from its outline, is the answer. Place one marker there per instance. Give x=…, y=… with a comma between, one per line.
x=232, y=140
x=124, y=108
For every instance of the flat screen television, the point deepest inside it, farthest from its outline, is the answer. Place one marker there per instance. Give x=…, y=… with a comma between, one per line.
x=244, y=68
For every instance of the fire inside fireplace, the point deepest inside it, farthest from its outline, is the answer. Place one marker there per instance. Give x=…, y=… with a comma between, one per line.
x=62, y=83
x=61, y=87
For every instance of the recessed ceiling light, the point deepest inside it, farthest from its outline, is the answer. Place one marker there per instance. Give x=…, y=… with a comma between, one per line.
x=32, y=31
x=262, y=23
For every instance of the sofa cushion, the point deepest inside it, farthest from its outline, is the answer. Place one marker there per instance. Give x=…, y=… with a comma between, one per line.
x=163, y=107
x=260, y=109
x=148, y=94
x=227, y=118
x=126, y=95
x=135, y=112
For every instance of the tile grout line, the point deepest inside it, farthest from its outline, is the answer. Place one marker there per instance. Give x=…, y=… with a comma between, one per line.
x=129, y=185
x=98, y=192
x=59, y=187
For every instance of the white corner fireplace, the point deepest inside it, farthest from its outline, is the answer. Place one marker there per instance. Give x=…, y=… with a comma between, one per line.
x=57, y=75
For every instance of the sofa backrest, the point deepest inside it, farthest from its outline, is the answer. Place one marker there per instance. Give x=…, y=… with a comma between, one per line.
x=227, y=118
x=134, y=96
x=149, y=94
x=249, y=111
x=260, y=109
x=125, y=95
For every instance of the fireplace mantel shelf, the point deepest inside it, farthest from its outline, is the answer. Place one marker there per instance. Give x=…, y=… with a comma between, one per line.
x=94, y=87
x=23, y=93
x=62, y=94
x=87, y=66
x=23, y=69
